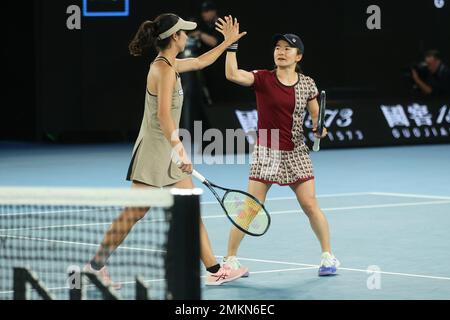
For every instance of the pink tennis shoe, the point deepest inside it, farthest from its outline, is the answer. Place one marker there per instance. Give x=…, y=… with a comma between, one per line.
x=103, y=275
x=225, y=274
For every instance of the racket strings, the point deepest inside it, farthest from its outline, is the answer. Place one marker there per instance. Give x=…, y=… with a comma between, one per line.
x=246, y=212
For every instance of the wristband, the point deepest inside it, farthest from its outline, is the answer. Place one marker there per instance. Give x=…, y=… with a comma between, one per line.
x=233, y=47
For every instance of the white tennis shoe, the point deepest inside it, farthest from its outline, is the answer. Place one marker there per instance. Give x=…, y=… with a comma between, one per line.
x=233, y=263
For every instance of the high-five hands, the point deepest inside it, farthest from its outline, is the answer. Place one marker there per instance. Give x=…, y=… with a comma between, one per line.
x=229, y=28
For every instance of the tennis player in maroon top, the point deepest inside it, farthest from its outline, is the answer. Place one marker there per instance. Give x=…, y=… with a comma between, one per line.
x=281, y=156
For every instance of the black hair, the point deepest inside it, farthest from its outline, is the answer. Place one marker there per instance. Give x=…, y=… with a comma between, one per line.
x=298, y=67
x=208, y=6
x=433, y=53
x=147, y=35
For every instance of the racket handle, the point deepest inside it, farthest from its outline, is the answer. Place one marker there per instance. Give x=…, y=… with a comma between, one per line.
x=198, y=176
x=316, y=146
x=176, y=158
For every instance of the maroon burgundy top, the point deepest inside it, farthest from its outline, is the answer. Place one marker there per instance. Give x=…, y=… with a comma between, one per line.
x=276, y=104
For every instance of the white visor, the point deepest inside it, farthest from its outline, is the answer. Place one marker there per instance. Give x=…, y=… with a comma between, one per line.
x=180, y=25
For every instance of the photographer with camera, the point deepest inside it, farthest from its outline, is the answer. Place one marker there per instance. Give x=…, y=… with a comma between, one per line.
x=207, y=35
x=432, y=77
x=201, y=86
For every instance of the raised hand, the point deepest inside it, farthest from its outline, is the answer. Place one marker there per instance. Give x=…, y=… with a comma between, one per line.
x=229, y=28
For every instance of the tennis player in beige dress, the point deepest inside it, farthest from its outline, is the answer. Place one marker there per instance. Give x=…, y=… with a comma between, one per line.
x=151, y=165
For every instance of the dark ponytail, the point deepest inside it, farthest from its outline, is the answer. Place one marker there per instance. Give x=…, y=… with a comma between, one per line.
x=144, y=38
x=147, y=35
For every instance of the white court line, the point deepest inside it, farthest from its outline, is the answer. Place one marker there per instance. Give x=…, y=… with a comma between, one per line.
x=79, y=243
x=310, y=266
x=336, y=195
x=57, y=227
x=409, y=195
x=90, y=286
x=398, y=274
x=45, y=212
x=303, y=267
x=272, y=213
x=93, y=286
x=202, y=203
x=124, y=283
x=391, y=205
x=282, y=270
x=76, y=225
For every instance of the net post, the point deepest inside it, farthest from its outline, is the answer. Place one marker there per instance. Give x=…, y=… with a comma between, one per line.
x=22, y=277
x=183, y=249
x=75, y=294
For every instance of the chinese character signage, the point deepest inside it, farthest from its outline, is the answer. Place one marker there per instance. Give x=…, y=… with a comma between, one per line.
x=420, y=122
x=374, y=123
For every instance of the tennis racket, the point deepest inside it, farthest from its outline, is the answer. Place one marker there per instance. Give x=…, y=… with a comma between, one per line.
x=320, y=121
x=244, y=211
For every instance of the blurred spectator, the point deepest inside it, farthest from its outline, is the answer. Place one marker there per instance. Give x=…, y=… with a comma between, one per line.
x=208, y=37
x=432, y=76
x=206, y=32
x=200, y=86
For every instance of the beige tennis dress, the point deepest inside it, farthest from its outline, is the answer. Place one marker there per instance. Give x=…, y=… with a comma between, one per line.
x=151, y=161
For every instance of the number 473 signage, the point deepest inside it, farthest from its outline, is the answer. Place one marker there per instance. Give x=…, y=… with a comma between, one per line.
x=96, y=8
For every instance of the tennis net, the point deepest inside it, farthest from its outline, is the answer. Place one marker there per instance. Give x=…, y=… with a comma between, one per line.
x=48, y=236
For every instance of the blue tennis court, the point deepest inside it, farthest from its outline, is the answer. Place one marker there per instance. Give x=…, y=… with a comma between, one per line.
x=388, y=209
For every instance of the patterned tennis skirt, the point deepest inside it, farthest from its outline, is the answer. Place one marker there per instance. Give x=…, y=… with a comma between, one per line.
x=281, y=167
